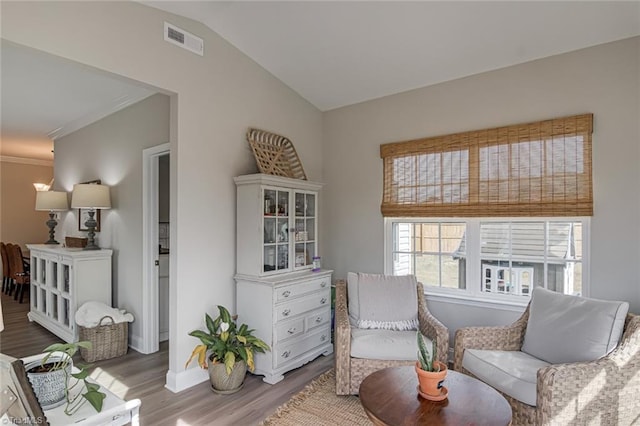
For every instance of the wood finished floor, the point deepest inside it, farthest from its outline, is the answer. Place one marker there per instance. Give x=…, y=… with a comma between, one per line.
x=143, y=376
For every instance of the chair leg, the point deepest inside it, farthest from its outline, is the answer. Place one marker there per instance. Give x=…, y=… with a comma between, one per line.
x=15, y=296
x=22, y=292
x=11, y=285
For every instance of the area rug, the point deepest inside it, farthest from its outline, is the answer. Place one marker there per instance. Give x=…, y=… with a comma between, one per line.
x=318, y=404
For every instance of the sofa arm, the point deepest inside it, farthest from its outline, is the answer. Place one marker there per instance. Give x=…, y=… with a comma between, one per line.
x=507, y=338
x=342, y=344
x=431, y=327
x=606, y=389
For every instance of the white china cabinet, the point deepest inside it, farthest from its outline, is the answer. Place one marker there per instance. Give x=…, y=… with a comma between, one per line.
x=278, y=293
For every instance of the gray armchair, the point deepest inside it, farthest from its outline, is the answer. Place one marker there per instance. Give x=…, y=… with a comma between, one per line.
x=601, y=391
x=351, y=370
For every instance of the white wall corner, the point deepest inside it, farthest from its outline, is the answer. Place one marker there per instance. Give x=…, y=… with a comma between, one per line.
x=177, y=382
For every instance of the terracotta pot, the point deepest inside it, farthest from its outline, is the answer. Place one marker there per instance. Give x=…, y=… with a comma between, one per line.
x=431, y=382
x=224, y=383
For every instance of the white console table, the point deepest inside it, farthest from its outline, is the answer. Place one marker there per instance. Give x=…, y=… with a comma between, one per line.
x=62, y=279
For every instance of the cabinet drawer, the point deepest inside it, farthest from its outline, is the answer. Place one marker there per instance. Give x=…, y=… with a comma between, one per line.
x=314, y=301
x=285, y=353
x=317, y=319
x=295, y=290
x=287, y=329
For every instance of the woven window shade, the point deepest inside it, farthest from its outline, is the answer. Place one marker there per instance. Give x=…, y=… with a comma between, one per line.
x=532, y=169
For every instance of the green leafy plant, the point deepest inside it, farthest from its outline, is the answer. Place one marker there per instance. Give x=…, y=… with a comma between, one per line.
x=425, y=357
x=92, y=392
x=225, y=342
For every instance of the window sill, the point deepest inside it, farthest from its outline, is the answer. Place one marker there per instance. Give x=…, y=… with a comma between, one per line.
x=477, y=301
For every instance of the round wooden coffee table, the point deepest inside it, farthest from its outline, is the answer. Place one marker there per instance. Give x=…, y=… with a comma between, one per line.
x=390, y=397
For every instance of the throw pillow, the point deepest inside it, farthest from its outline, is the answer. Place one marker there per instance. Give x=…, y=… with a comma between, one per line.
x=383, y=301
x=563, y=328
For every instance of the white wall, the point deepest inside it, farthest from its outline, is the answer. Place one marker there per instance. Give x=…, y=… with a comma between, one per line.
x=111, y=150
x=214, y=99
x=604, y=80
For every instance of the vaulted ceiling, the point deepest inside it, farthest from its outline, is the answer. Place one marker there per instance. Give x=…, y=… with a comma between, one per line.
x=333, y=53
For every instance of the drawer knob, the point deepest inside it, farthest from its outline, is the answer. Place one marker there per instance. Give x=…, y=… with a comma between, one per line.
x=286, y=293
x=324, y=284
x=286, y=354
x=323, y=300
x=319, y=319
x=286, y=312
x=291, y=330
x=323, y=337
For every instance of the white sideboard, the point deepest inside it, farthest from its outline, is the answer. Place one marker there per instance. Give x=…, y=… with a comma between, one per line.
x=62, y=279
x=292, y=313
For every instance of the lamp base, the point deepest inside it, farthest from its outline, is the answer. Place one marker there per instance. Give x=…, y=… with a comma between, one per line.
x=51, y=223
x=91, y=226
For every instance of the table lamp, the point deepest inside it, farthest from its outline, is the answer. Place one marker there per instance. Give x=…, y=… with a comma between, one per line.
x=90, y=196
x=52, y=201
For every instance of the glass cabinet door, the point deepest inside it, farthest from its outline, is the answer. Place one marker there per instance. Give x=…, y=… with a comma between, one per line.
x=305, y=229
x=275, y=225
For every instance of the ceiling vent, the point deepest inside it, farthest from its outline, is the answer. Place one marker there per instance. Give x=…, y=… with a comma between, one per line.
x=181, y=38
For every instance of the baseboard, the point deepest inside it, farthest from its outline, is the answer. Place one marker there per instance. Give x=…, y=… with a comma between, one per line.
x=177, y=382
x=135, y=343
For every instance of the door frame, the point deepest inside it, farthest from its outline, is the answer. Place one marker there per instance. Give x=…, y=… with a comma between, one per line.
x=150, y=298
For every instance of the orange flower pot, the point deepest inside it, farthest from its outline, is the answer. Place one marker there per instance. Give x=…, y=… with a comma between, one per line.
x=431, y=381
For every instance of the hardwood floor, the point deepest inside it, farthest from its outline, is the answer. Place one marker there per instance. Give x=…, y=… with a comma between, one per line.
x=143, y=376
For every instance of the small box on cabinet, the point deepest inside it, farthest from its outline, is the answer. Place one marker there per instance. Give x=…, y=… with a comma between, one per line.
x=75, y=242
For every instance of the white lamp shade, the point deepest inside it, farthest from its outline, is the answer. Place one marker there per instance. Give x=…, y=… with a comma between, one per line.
x=52, y=201
x=90, y=196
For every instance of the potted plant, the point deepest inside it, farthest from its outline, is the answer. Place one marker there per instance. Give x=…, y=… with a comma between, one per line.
x=431, y=373
x=51, y=379
x=229, y=350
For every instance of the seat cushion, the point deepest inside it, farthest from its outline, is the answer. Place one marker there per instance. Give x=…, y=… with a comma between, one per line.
x=511, y=372
x=384, y=344
x=383, y=301
x=564, y=329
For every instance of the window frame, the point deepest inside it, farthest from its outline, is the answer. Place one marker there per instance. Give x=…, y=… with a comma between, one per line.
x=473, y=295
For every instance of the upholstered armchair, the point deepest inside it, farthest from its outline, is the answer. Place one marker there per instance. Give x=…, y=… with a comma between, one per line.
x=362, y=351
x=544, y=391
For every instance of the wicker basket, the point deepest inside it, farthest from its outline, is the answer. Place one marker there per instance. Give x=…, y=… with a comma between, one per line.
x=275, y=154
x=75, y=242
x=107, y=341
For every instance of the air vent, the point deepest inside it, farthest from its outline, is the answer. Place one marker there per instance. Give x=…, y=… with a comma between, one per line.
x=181, y=38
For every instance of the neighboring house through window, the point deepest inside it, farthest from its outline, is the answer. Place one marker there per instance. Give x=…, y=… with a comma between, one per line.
x=491, y=213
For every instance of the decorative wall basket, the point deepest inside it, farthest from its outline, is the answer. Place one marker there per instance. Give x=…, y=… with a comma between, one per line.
x=275, y=154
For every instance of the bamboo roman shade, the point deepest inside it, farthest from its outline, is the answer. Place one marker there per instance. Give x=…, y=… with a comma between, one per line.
x=533, y=169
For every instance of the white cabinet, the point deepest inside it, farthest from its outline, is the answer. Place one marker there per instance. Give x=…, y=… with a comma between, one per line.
x=62, y=279
x=277, y=224
x=278, y=294
x=292, y=313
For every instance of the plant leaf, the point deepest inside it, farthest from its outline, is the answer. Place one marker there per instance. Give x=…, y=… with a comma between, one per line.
x=201, y=352
x=229, y=361
x=80, y=375
x=95, y=398
x=250, y=364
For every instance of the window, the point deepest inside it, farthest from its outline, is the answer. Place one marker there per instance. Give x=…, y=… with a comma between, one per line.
x=488, y=257
x=491, y=213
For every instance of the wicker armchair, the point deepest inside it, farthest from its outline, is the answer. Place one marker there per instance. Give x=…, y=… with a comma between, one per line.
x=351, y=371
x=604, y=391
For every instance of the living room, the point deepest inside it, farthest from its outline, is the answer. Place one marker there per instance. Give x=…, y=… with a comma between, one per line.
x=213, y=99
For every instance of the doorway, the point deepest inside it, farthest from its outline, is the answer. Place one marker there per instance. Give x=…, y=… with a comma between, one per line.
x=156, y=226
